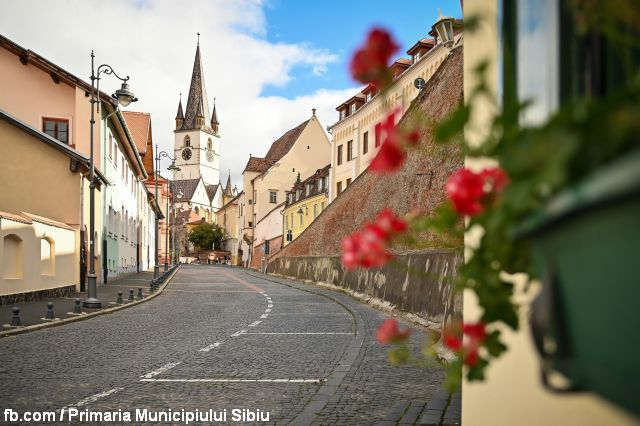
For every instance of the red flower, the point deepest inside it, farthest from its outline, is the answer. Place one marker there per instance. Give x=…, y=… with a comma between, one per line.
x=368, y=248
x=476, y=332
x=392, y=153
x=471, y=357
x=370, y=63
x=468, y=190
x=389, y=332
x=452, y=342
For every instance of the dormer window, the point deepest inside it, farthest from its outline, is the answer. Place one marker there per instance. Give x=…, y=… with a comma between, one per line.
x=368, y=96
x=342, y=114
x=187, y=141
x=416, y=57
x=353, y=108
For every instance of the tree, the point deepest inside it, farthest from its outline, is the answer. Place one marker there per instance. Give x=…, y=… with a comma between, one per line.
x=206, y=236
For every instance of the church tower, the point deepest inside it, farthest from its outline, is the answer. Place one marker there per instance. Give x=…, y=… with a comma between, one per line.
x=197, y=141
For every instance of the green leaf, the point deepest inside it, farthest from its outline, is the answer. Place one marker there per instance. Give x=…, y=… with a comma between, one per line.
x=493, y=344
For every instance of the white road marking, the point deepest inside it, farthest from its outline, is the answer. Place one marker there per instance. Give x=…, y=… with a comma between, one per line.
x=254, y=323
x=264, y=315
x=270, y=305
x=212, y=346
x=161, y=370
x=267, y=310
x=238, y=333
x=302, y=333
x=93, y=398
x=234, y=380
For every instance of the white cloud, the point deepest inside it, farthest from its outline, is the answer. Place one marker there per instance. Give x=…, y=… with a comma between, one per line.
x=153, y=41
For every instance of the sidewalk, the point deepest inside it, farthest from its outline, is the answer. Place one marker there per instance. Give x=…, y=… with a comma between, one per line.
x=33, y=312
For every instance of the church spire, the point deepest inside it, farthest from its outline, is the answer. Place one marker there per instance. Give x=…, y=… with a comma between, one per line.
x=197, y=104
x=227, y=189
x=214, y=118
x=179, y=114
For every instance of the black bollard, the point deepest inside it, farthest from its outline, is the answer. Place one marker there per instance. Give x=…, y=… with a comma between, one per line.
x=152, y=286
x=15, y=320
x=131, y=295
x=119, y=299
x=77, y=309
x=50, y=315
x=140, y=293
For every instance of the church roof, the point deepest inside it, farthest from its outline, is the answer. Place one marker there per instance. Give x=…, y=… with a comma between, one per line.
x=138, y=124
x=186, y=186
x=214, y=115
x=227, y=189
x=281, y=146
x=257, y=164
x=211, y=191
x=180, y=114
x=197, y=96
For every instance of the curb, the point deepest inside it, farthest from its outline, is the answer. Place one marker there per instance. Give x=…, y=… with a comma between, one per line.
x=36, y=327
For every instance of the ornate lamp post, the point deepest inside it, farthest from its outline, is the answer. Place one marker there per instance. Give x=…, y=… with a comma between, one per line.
x=176, y=252
x=124, y=97
x=173, y=168
x=444, y=29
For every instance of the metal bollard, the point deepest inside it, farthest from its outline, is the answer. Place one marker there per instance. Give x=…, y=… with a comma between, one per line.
x=152, y=286
x=50, y=315
x=131, y=295
x=77, y=309
x=15, y=320
x=140, y=293
x=119, y=299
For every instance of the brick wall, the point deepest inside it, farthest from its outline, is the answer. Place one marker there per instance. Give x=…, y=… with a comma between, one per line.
x=418, y=185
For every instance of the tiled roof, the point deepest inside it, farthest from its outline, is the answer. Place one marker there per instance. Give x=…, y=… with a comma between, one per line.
x=423, y=42
x=211, y=191
x=197, y=101
x=138, y=124
x=186, y=186
x=257, y=164
x=281, y=146
x=47, y=221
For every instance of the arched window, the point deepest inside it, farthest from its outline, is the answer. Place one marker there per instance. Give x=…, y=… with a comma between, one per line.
x=47, y=256
x=12, y=245
x=209, y=144
x=187, y=141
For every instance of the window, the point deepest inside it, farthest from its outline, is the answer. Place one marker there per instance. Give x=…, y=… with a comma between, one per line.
x=12, y=256
x=315, y=211
x=250, y=202
x=365, y=142
x=187, y=141
x=368, y=97
x=266, y=247
x=115, y=154
x=342, y=114
x=377, y=133
x=348, y=183
x=272, y=197
x=353, y=108
x=209, y=144
x=416, y=57
x=349, y=150
x=56, y=128
x=286, y=222
x=110, y=146
x=339, y=188
x=289, y=235
x=308, y=189
x=339, y=155
x=250, y=224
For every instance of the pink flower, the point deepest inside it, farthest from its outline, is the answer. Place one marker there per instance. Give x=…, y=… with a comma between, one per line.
x=389, y=332
x=392, y=153
x=469, y=191
x=370, y=63
x=467, y=348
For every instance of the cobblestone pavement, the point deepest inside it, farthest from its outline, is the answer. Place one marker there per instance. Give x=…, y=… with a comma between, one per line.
x=221, y=338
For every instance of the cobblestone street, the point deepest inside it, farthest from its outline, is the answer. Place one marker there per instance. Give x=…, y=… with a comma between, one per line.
x=222, y=338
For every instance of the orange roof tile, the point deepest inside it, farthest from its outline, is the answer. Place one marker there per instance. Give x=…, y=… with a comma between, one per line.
x=138, y=123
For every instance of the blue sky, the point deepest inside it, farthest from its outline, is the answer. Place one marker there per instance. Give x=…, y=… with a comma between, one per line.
x=340, y=27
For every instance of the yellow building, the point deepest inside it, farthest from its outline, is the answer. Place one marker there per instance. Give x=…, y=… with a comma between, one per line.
x=354, y=142
x=306, y=200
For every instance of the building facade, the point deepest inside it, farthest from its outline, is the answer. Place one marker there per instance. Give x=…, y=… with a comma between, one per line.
x=355, y=139
x=304, y=203
x=303, y=149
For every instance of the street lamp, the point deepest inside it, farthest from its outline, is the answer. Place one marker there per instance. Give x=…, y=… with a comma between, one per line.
x=176, y=253
x=444, y=29
x=173, y=168
x=124, y=97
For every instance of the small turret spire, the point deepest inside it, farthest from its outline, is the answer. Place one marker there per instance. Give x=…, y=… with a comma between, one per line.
x=214, y=119
x=179, y=114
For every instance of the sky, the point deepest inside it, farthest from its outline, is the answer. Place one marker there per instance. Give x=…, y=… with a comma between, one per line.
x=267, y=62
